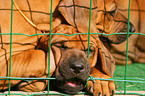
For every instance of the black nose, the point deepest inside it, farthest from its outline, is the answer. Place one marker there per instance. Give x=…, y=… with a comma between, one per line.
x=131, y=27
x=77, y=67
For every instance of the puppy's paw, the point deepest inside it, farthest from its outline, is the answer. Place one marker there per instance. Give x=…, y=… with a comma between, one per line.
x=32, y=86
x=101, y=87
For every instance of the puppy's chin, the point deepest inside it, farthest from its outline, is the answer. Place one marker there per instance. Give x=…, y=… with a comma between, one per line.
x=72, y=86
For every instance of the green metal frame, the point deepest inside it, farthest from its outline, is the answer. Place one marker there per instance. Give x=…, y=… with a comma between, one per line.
x=125, y=79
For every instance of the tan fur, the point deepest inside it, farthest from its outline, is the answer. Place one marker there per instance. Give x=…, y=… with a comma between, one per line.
x=24, y=55
x=136, y=42
x=33, y=63
x=20, y=25
x=101, y=61
x=30, y=54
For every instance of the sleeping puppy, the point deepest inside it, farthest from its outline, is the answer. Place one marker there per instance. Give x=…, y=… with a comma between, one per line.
x=30, y=57
x=69, y=64
x=73, y=66
x=110, y=16
x=136, y=49
x=25, y=56
x=105, y=18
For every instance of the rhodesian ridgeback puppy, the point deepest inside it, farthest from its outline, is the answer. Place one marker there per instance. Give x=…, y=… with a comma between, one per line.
x=106, y=18
x=29, y=17
x=136, y=49
x=69, y=64
x=30, y=54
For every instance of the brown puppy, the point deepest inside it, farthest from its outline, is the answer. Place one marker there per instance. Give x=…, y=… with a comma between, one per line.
x=69, y=54
x=136, y=44
x=30, y=62
x=24, y=55
x=73, y=67
x=101, y=62
x=106, y=18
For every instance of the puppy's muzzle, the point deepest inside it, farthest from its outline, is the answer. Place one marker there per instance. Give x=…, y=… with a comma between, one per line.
x=72, y=71
x=74, y=63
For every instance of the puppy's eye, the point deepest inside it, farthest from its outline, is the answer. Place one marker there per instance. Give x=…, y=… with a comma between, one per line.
x=90, y=51
x=112, y=12
x=61, y=46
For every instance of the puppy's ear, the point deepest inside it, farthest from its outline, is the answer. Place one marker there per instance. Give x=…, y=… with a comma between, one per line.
x=77, y=12
x=105, y=62
x=43, y=43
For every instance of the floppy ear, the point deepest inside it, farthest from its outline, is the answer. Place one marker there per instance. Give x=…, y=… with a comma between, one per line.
x=76, y=13
x=105, y=62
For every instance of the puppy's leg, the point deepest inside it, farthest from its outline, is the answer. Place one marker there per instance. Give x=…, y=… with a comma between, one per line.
x=100, y=87
x=33, y=85
x=30, y=63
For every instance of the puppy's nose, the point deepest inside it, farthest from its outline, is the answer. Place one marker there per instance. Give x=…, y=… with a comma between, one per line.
x=76, y=67
x=131, y=27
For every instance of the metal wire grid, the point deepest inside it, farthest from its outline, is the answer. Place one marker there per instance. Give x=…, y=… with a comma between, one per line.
x=125, y=79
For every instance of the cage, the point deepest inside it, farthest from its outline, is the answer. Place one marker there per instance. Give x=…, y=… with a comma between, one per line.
x=124, y=80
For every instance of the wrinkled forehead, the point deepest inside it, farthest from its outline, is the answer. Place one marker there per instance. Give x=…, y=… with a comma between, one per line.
x=106, y=5
x=76, y=41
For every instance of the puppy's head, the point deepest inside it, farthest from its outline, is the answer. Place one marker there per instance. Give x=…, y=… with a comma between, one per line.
x=110, y=20
x=105, y=18
x=73, y=66
x=72, y=59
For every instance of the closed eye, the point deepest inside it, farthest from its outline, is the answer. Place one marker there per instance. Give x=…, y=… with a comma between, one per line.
x=90, y=51
x=112, y=13
x=60, y=45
